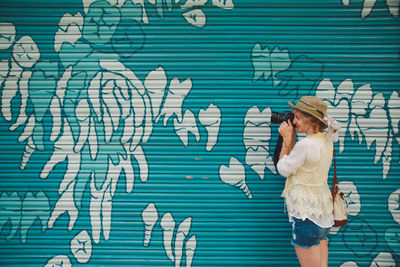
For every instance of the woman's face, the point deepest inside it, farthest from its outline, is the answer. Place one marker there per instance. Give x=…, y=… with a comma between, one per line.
x=301, y=123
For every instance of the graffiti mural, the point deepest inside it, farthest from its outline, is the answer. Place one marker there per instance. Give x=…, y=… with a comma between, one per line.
x=140, y=131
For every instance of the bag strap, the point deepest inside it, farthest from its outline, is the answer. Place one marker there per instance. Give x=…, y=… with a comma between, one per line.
x=334, y=181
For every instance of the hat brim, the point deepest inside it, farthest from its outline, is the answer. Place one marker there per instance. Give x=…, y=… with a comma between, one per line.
x=294, y=107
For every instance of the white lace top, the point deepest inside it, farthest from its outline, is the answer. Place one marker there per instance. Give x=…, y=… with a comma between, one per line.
x=305, y=155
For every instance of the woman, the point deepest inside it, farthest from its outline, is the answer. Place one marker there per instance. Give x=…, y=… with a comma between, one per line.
x=306, y=165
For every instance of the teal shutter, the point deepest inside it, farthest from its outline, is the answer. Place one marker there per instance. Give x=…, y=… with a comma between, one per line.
x=138, y=132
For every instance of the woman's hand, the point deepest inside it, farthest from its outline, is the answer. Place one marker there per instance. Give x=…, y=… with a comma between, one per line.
x=288, y=133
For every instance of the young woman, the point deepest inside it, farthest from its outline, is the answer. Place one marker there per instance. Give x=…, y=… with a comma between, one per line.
x=306, y=164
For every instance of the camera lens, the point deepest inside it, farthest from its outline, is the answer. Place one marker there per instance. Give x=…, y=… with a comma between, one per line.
x=278, y=118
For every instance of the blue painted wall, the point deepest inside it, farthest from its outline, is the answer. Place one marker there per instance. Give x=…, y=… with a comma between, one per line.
x=138, y=132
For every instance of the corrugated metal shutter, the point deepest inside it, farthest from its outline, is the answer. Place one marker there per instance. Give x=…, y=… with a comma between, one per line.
x=138, y=132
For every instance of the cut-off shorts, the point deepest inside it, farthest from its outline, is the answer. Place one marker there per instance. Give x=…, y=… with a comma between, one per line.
x=307, y=234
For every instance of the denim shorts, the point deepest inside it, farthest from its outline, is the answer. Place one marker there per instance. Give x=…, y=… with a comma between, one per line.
x=307, y=234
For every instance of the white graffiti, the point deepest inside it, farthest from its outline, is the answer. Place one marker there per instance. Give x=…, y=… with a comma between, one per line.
x=7, y=35
x=69, y=30
x=59, y=261
x=210, y=118
x=362, y=114
x=103, y=110
x=394, y=205
x=188, y=125
x=175, y=254
x=267, y=62
x=22, y=213
x=235, y=175
x=150, y=217
x=256, y=138
x=349, y=264
x=368, y=5
x=195, y=17
x=383, y=259
x=25, y=54
x=352, y=195
x=175, y=241
x=81, y=247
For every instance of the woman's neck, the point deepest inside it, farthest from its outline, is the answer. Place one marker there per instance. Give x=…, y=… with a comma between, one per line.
x=312, y=131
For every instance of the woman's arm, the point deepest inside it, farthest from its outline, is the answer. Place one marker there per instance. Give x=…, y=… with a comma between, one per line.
x=288, y=134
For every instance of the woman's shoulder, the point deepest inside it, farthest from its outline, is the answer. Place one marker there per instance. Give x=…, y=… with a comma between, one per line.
x=309, y=145
x=307, y=141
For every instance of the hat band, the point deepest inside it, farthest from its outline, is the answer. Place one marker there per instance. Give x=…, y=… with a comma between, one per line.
x=311, y=109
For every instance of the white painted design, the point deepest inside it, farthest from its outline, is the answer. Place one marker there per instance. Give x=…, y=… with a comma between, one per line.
x=7, y=35
x=145, y=19
x=16, y=76
x=349, y=264
x=226, y=4
x=150, y=217
x=81, y=247
x=363, y=114
x=168, y=226
x=100, y=206
x=393, y=6
x=268, y=62
x=392, y=239
x=346, y=2
x=175, y=243
x=188, y=125
x=394, y=111
x=192, y=3
x=10, y=212
x=4, y=70
x=352, y=195
x=383, y=259
x=63, y=150
x=59, y=261
x=57, y=102
x=86, y=4
x=65, y=204
x=334, y=230
x=235, y=175
x=341, y=111
x=211, y=119
x=181, y=234
x=93, y=109
x=26, y=52
x=34, y=207
x=256, y=138
x=394, y=205
x=191, y=245
x=22, y=213
x=195, y=17
x=69, y=30
x=368, y=6
x=173, y=102
x=155, y=83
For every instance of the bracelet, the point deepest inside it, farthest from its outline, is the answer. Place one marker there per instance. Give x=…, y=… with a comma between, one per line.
x=284, y=144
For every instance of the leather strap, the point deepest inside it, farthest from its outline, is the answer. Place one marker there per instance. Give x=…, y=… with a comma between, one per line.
x=334, y=181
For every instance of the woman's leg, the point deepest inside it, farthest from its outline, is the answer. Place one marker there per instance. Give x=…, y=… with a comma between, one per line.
x=324, y=253
x=309, y=257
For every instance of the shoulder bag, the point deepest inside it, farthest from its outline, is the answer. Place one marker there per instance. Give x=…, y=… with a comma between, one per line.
x=340, y=203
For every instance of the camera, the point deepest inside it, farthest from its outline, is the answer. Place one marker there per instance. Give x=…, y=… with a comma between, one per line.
x=278, y=118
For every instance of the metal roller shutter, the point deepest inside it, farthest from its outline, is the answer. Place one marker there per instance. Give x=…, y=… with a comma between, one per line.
x=138, y=132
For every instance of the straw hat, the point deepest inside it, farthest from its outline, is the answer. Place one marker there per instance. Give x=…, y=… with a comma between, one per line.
x=313, y=106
